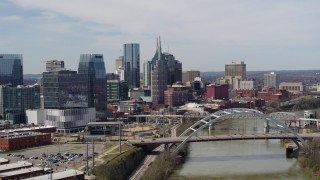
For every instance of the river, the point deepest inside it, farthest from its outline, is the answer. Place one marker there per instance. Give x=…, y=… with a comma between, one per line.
x=251, y=159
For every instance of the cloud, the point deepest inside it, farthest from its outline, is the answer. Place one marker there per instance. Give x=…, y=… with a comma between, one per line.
x=10, y=18
x=208, y=31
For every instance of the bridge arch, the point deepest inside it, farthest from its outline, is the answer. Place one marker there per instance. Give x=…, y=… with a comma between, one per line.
x=221, y=115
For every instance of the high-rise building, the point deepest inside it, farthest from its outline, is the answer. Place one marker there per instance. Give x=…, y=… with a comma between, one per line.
x=120, y=73
x=54, y=65
x=188, y=76
x=147, y=74
x=159, y=82
x=93, y=66
x=11, y=69
x=112, y=76
x=235, y=69
x=123, y=90
x=164, y=70
x=174, y=69
x=65, y=89
x=271, y=80
x=113, y=89
x=14, y=101
x=248, y=85
x=132, y=64
x=119, y=62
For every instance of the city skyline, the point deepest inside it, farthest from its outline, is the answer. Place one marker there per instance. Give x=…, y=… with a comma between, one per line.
x=265, y=35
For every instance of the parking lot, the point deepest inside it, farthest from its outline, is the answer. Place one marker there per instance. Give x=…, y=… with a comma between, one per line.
x=58, y=156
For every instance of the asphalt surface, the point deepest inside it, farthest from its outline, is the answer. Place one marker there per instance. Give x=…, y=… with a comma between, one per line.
x=71, y=155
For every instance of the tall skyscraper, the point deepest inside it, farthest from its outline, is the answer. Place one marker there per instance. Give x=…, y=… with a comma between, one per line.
x=93, y=66
x=165, y=70
x=174, y=69
x=235, y=69
x=159, y=81
x=132, y=65
x=11, y=69
x=271, y=80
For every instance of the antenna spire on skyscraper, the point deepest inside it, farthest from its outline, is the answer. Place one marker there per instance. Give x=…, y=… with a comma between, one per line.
x=159, y=47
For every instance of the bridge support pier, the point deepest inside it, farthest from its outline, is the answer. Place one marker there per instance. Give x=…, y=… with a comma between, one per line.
x=166, y=147
x=266, y=127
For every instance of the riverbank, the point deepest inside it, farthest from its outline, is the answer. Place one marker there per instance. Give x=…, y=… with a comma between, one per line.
x=121, y=166
x=309, y=158
x=165, y=164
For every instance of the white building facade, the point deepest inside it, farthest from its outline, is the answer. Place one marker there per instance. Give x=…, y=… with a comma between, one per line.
x=35, y=116
x=69, y=120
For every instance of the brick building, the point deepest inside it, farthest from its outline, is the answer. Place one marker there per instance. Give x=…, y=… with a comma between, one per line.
x=41, y=129
x=176, y=96
x=273, y=95
x=21, y=140
x=247, y=93
x=217, y=91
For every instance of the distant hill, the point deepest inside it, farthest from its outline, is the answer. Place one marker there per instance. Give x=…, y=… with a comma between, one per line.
x=305, y=76
x=32, y=76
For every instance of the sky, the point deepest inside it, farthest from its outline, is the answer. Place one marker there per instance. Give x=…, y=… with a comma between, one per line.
x=203, y=34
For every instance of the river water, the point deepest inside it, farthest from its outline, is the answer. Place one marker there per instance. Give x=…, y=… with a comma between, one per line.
x=251, y=159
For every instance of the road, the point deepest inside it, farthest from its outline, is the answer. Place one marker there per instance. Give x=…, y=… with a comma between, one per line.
x=170, y=140
x=150, y=158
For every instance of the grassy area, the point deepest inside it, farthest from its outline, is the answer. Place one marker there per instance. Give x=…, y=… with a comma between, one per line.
x=165, y=164
x=310, y=157
x=115, y=152
x=121, y=166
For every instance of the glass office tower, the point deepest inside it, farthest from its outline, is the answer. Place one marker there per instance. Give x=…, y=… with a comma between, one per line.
x=65, y=89
x=92, y=65
x=132, y=65
x=11, y=69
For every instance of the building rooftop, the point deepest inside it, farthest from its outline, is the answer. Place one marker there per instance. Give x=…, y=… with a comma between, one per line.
x=58, y=175
x=20, y=171
x=3, y=160
x=26, y=129
x=19, y=164
x=19, y=134
x=105, y=123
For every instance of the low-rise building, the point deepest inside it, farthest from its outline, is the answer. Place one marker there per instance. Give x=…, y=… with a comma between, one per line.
x=69, y=174
x=292, y=87
x=14, y=166
x=35, y=116
x=176, y=96
x=217, y=91
x=246, y=93
x=103, y=128
x=21, y=173
x=69, y=120
x=22, y=140
x=41, y=129
x=3, y=161
x=273, y=95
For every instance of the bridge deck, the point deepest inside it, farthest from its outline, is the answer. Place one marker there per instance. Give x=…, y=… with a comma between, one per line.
x=158, y=141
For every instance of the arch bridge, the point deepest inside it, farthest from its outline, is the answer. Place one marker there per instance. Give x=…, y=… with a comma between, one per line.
x=236, y=113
